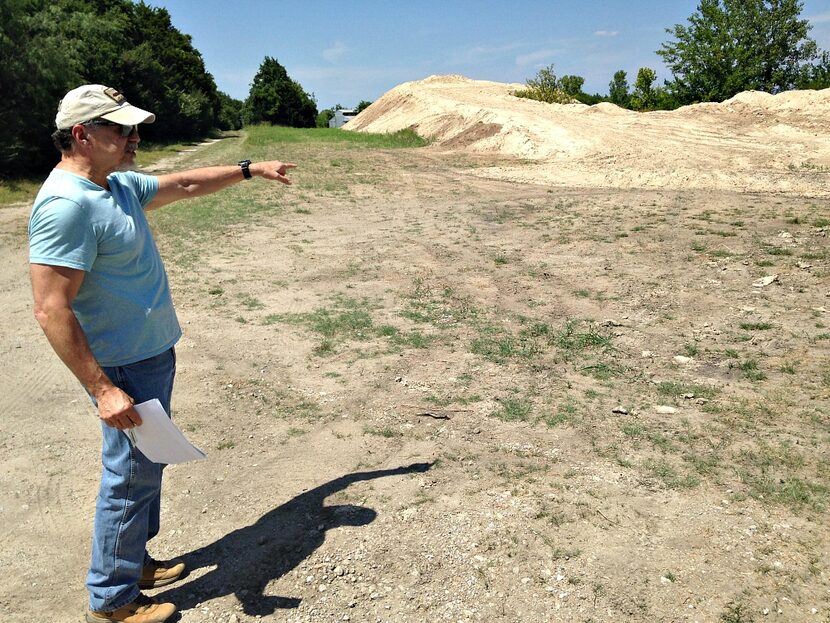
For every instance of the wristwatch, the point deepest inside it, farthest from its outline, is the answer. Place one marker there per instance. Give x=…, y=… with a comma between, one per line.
x=244, y=164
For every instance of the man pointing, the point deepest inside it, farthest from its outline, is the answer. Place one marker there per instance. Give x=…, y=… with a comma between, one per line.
x=102, y=298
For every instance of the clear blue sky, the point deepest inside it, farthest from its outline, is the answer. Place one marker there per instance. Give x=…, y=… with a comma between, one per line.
x=347, y=51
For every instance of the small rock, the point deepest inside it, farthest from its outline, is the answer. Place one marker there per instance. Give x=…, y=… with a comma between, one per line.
x=682, y=360
x=648, y=354
x=764, y=281
x=665, y=409
x=804, y=265
x=688, y=396
x=620, y=410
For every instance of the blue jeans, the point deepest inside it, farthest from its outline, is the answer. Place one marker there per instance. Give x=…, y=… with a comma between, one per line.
x=127, y=507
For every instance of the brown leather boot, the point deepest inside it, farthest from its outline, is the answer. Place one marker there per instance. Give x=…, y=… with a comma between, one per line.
x=142, y=610
x=160, y=573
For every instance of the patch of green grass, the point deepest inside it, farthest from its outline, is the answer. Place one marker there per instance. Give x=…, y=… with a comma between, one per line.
x=347, y=317
x=756, y=326
x=578, y=335
x=668, y=475
x=18, y=190
x=412, y=339
x=442, y=309
x=773, y=473
x=705, y=465
x=499, y=346
x=453, y=400
x=386, y=431
x=788, y=367
x=778, y=251
x=603, y=370
x=736, y=613
x=750, y=369
x=670, y=388
x=250, y=302
x=513, y=410
x=821, y=222
x=691, y=349
x=566, y=413
x=264, y=135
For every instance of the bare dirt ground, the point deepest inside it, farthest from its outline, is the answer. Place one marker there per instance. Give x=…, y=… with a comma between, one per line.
x=429, y=395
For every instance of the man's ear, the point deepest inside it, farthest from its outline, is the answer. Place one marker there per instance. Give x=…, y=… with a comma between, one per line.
x=79, y=133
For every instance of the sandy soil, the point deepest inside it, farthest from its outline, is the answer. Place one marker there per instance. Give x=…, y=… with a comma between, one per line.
x=546, y=417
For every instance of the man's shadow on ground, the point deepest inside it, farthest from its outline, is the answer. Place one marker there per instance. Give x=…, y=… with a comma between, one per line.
x=247, y=559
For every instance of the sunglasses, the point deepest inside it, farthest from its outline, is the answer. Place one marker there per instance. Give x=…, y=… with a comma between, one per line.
x=126, y=130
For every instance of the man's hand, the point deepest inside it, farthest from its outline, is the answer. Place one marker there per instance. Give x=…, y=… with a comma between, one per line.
x=273, y=170
x=115, y=408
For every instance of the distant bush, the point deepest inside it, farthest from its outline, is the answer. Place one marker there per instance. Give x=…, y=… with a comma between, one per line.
x=545, y=87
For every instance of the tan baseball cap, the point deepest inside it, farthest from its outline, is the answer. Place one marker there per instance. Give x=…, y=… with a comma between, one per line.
x=95, y=101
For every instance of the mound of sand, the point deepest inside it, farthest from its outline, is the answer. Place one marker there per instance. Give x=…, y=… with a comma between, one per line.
x=752, y=142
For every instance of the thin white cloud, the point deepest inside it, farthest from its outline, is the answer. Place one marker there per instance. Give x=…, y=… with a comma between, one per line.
x=337, y=51
x=606, y=33
x=821, y=18
x=536, y=57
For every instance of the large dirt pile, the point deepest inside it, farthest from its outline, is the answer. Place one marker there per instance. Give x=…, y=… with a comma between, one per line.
x=752, y=142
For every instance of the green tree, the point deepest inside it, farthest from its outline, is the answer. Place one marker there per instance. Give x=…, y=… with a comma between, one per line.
x=323, y=118
x=644, y=97
x=51, y=46
x=45, y=51
x=277, y=99
x=731, y=46
x=162, y=71
x=363, y=105
x=545, y=87
x=618, y=90
x=817, y=75
x=572, y=85
x=230, y=112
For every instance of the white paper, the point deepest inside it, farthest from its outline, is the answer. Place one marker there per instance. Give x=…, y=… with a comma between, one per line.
x=159, y=439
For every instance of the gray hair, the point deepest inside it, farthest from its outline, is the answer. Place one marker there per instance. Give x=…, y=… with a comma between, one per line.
x=63, y=140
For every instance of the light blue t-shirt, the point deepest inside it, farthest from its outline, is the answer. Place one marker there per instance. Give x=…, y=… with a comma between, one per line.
x=124, y=304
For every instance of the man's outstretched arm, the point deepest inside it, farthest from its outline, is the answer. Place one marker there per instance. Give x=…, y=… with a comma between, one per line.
x=207, y=180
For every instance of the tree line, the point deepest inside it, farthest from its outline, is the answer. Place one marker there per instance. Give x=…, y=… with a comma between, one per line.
x=727, y=46
x=52, y=46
